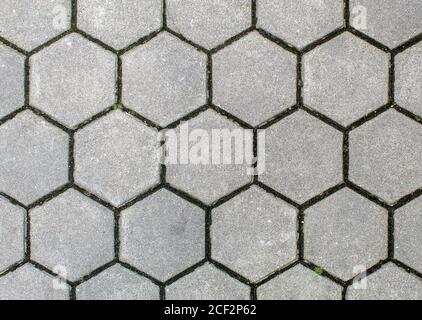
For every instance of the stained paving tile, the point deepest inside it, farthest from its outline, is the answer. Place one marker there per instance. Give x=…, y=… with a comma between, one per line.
x=254, y=74
x=73, y=80
x=34, y=157
x=299, y=283
x=162, y=235
x=345, y=233
x=117, y=283
x=271, y=226
x=119, y=23
x=29, y=24
x=208, y=22
x=388, y=283
x=164, y=79
x=390, y=22
x=311, y=161
x=385, y=156
x=345, y=78
x=300, y=23
x=207, y=283
x=117, y=157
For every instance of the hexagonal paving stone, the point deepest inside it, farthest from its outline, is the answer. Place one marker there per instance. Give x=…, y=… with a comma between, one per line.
x=118, y=283
x=303, y=157
x=207, y=283
x=12, y=70
x=299, y=283
x=300, y=22
x=208, y=22
x=164, y=79
x=388, y=283
x=408, y=79
x=385, y=156
x=29, y=23
x=345, y=78
x=12, y=231
x=254, y=233
x=345, y=233
x=200, y=175
x=391, y=22
x=254, y=74
x=408, y=234
x=73, y=79
x=34, y=157
x=162, y=235
x=72, y=232
x=29, y=283
x=119, y=23
x=117, y=157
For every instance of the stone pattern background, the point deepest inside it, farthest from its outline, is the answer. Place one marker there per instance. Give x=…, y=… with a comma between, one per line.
x=88, y=212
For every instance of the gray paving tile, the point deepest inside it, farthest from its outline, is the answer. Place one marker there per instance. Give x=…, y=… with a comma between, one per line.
x=311, y=157
x=164, y=79
x=73, y=79
x=162, y=235
x=300, y=22
x=29, y=283
x=117, y=283
x=208, y=22
x=254, y=74
x=385, y=156
x=34, y=157
x=12, y=231
x=12, y=80
x=345, y=233
x=207, y=283
x=345, y=78
x=119, y=23
x=408, y=235
x=29, y=24
x=391, y=22
x=271, y=228
x=299, y=283
x=388, y=283
x=117, y=157
x=72, y=233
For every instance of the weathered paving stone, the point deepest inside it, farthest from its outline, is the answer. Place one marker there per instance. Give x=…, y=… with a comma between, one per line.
x=254, y=233
x=117, y=157
x=29, y=283
x=208, y=22
x=164, y=79
x=254, y=79
x=29, y=24
x=385, y=156
x=73, y=234
x=117, y=283
x=388, y=283
x=206, y=180
x=390, y=22
x=12, y=231
x=299, y=283
x=207, y=283
x=162, y=235
x=408, y=79
x=300, y=22
x=345, y=234
x=311, y=160
x=72, y=79
x=345, y=78
x=408, y=235
x=119, y=23
x=12, y=72
x=34, y=157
